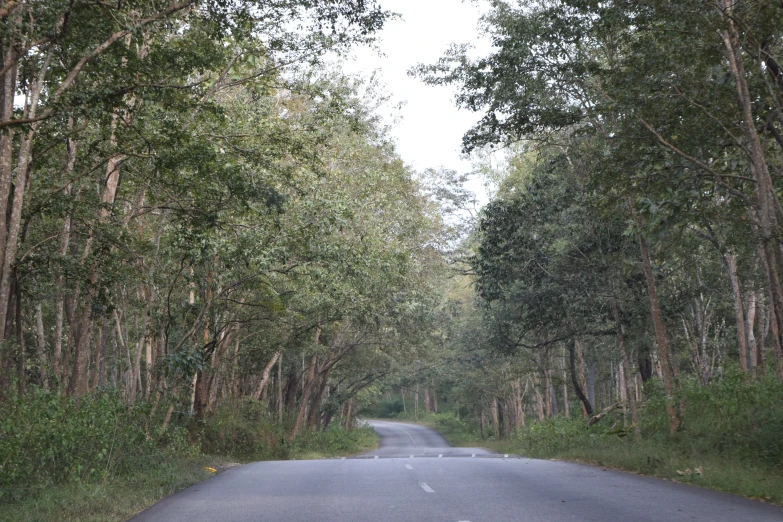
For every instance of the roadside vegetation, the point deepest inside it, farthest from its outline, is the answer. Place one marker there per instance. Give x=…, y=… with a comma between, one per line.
x=619, y=298
x=211, y=252
x=728, y=441
x=100, y=460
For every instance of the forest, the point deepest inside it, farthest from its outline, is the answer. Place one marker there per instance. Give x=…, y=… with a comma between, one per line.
x=618, y=300
x=211, y=251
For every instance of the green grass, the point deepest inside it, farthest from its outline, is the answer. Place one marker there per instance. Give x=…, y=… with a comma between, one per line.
x=118, y=498
x=115, y=499
x=648, y=457
x=334, y=443
x=101, y=460
x=731, y=432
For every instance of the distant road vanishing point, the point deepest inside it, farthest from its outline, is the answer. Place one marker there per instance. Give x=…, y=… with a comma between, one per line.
x=415, y=475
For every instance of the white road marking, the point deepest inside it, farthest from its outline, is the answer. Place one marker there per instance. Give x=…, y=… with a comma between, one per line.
x=473, y=456
x=408, y=466
x=440, y=455
x=505, y=456
x=426, y=488
x=376, y=457
x=409, y=435
x=411, y=456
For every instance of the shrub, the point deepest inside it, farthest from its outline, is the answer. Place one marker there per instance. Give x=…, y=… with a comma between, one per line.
x=45, y=438
x=386, y=409
x=243, y=431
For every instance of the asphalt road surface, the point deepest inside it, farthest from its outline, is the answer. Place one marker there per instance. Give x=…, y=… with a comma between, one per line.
x=416, y=476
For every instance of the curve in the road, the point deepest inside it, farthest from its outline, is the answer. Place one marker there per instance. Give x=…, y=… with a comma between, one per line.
x=402, y=439
x=445, y=489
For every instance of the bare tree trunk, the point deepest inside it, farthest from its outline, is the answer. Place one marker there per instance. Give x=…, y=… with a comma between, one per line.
x=427, y=399
x=235, y=370
x=348, y=422
x=539, y=400
x=9, y=56
x=42, y=358
x=260, y=393
x=10, y=244
x=768, y=205
x=280, y=388
x=496, y=419
x=548, y=395
x=750, y=307
x=79, y=383
x=59, y=306
x=739, y=315
x=587, y=408
x=306, y=392
x=626, y=384
x=482, y=419
x=313, y=419
x=566, y=406
x=660, y=336
x=518, y=409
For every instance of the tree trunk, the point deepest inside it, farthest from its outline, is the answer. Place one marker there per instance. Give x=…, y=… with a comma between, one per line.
x=348, y=422
x=434, y=396
x=8, y=54
x=587, y=407
x=41, y=335
x=9, y=241
x=260, y=393
x=539, y=400
x=739, y=315
x=482, y=419
x=750, y=308
x=59, y=307
x=313, y=420
x=626, y=372
x=496, y=419
x=280, y=388
x=551, y=396
x=660, y=336
x=308, y=389
x=767, y=204
x=566, y=406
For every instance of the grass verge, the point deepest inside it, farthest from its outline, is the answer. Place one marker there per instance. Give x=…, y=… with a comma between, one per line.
x=102, y=460
x=729, y=438
x=114, y=499
x=119, y=498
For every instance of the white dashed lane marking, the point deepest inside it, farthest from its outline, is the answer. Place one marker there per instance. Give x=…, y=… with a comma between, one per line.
x=426, y=488
x=408, y=466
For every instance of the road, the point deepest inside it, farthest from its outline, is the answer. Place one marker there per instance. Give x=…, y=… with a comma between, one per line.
x=416, y=476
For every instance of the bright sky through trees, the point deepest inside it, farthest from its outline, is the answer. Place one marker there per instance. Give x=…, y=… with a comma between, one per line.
x=431, y=128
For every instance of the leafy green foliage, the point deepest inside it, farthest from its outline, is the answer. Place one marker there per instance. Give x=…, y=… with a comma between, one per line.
x=244, y=432
x=47, y=439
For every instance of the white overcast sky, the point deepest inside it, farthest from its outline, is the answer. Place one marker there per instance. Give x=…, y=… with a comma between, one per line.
x=430, y=129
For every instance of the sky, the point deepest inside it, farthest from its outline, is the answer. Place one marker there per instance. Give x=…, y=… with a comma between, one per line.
x=430, y=128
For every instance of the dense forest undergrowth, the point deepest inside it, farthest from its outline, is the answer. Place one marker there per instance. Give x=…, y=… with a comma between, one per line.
x=100, y=460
